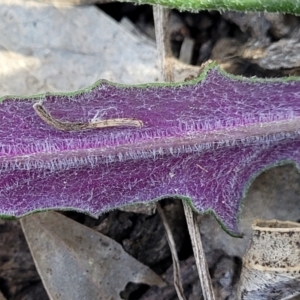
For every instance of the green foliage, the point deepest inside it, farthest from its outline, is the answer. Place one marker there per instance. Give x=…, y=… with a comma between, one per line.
x=283, y=6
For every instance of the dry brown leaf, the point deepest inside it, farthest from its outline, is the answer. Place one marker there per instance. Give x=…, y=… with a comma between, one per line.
x=76, y=262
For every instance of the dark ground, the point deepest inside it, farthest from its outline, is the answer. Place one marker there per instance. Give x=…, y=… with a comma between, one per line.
x=220, y=37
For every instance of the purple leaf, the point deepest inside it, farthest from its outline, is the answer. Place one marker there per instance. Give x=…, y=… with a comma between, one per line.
x=204, y=141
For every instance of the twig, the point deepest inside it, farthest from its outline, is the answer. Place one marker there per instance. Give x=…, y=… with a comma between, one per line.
x=199, y=254
x=161, y=17
x=164, y=51
x=76, y=126
x=176, y=266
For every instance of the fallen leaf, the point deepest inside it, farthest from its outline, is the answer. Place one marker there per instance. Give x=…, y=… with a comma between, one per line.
x=76, y=262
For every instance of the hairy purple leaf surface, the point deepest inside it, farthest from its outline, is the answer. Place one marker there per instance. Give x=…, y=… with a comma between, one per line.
x=204, y=141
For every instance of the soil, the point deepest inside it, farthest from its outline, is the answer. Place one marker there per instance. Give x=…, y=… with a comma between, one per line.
x=233, y=40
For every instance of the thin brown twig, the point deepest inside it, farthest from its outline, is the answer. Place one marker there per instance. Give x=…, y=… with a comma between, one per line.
x=161, y=17
x=164, y=51
x=78, y=126
x=199, y=254
x=176, y=266
x=163, y=45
